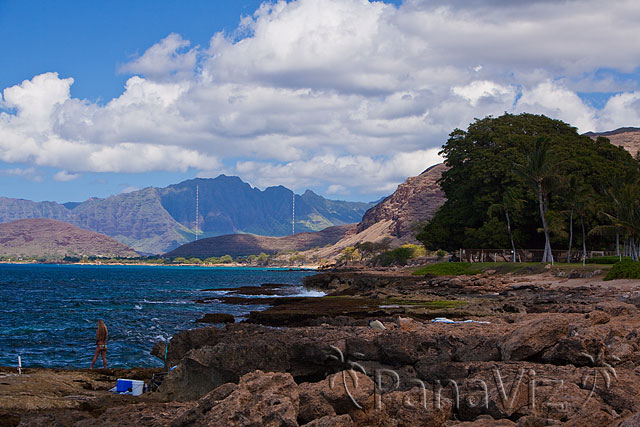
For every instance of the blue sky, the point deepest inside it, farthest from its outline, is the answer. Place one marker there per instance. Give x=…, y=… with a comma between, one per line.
x=88, y=40
x=345, y=97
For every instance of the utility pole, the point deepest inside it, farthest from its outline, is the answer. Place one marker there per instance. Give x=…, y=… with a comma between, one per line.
x=197, y=196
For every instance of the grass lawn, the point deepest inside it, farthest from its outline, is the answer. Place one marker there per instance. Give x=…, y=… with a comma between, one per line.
x=470, y=268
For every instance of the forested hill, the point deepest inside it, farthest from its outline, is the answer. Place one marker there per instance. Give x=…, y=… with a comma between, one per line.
x=157, y=220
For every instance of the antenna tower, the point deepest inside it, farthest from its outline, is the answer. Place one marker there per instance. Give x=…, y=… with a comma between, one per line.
x=197, y=196
x=293, y=214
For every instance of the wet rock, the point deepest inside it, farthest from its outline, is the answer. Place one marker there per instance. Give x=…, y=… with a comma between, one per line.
x=217, y=318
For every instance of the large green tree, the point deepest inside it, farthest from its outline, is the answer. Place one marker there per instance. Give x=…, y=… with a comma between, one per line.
x=482, y=169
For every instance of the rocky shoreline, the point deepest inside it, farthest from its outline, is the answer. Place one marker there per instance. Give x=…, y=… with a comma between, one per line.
x=527, y=350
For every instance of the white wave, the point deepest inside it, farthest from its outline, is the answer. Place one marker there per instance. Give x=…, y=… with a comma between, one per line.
x=301, y=292
x=165, y=302
x=308, y=293
x=137, y=307
x=218, y=292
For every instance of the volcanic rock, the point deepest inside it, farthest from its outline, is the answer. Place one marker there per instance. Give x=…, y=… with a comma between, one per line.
x=261, y=399
x=217, y=318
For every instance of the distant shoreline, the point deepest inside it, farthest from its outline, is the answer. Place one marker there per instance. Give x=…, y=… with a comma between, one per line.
x=232, y=265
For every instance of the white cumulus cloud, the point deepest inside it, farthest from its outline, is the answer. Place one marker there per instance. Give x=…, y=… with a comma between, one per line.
x=64, y=176
x=346, y=95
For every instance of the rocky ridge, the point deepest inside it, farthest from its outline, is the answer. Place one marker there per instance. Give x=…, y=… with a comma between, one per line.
x=415, y=201
x=627, y=138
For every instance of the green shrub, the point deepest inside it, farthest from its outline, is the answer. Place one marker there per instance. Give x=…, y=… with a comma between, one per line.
x=226, y=259
x=441, y=253
x=624, y=270
x=418, y=250
x=606, y=259
x=400, y=255
x=397, y=256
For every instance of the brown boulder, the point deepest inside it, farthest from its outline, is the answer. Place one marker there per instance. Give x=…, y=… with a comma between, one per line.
x=182, y=343
x=616, y=308
x=240, y=348
x=332, y=421
x=597, y=317
x=343, y=392
x=416, y=407
x=487, y=421
x=313, y=405
x=261, y=399
x=632, y=421
x=143, y=414
x=533, y=337
x=204, y=405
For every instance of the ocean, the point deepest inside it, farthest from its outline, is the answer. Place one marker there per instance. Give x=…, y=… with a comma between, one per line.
x=48, y=313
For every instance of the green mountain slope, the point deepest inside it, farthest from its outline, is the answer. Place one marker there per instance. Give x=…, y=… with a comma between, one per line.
x=228, y=205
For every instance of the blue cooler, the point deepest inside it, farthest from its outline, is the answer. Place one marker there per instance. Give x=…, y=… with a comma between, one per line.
x=135, y=387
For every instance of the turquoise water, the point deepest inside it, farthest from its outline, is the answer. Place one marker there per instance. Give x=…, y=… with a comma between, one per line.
x=48, y=313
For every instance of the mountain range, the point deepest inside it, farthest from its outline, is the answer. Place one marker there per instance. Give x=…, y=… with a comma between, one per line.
x=415, y=201
x=156, y=220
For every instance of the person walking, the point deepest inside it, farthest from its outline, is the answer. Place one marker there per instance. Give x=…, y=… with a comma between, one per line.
x=101, y=344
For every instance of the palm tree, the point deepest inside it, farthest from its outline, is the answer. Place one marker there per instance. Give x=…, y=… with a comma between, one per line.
x=581, y=201
x=510, y=202
x=626, y=216
x=571, y=200
x=538, y=171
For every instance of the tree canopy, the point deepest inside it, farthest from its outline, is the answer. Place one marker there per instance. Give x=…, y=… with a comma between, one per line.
x=486, y=163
